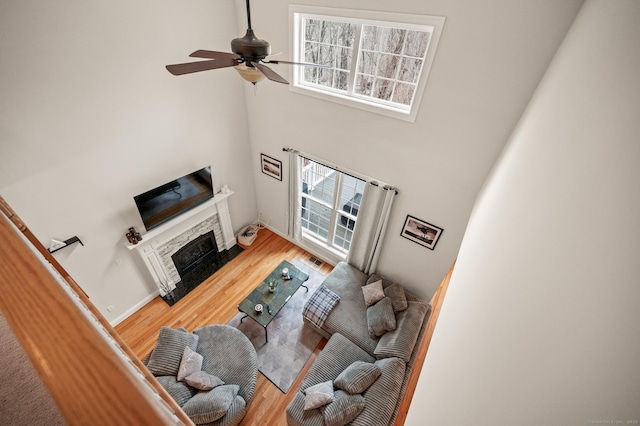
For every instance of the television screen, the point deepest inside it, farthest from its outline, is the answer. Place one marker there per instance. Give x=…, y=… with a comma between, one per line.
x=167, y=201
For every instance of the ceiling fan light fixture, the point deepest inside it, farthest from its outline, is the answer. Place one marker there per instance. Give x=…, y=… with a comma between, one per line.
x=251, y=74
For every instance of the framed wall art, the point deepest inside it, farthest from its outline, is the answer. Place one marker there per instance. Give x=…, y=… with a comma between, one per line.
x=421, y=232
x=271, y=166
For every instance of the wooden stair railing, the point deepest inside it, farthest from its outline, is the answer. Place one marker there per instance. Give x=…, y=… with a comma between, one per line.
x=91, y=374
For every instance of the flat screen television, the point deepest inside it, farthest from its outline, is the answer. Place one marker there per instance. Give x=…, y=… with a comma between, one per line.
x=161, y=204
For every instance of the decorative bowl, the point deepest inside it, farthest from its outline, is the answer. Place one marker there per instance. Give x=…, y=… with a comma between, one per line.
x=258, y=307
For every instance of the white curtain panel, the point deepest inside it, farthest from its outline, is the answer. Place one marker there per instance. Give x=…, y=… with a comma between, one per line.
x=368, y=236
x=295, y=199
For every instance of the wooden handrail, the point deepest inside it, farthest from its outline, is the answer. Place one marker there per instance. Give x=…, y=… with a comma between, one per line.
x=92, y=375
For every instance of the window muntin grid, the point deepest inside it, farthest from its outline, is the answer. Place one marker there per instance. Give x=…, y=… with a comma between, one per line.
x=330, y=204
x=390, y=59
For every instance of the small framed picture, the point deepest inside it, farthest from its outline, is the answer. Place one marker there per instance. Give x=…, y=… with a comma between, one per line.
x=271, y=166
x=421, y=232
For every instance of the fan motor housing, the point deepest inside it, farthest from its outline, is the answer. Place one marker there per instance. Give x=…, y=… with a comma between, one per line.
x=250, y=48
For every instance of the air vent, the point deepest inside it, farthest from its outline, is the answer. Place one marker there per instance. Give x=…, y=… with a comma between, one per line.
x=315, y=261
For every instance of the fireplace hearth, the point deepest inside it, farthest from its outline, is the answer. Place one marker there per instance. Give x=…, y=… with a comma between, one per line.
x=196, y=262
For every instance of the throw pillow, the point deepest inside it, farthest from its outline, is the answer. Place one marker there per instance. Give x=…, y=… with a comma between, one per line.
x=400, y=342
x=167, y=354
x=179, y=391
x=191, y=363
x=380, y=318
x=395, y=292
x=209, y=406
x=203, y=380
x=372, y=292
x=320, y=305
x=357, y=377
x=318, y=395
x=375, y=277
x=343, y=409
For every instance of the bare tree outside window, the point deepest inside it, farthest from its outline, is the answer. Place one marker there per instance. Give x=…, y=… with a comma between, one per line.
x=374, y=60
x=389, y=65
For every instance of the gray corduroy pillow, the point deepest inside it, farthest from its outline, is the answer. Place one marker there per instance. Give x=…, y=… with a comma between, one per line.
x=357, y=377
x=395, y=292
x=343, y=409
x=209, y=406
x=381, y=318
x=167, y=354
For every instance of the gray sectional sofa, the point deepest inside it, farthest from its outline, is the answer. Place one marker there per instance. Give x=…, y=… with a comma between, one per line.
x=348, y=327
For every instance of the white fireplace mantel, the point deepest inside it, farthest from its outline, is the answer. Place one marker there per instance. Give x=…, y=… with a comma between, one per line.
x=158, y=244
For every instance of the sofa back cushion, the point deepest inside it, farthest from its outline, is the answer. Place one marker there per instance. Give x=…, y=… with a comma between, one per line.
x=401, y=341
x=381, y=397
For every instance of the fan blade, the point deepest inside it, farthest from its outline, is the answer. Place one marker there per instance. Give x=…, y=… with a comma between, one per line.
x=212, y=54
x=179, y=69
x=297, y=63
x=269, y=73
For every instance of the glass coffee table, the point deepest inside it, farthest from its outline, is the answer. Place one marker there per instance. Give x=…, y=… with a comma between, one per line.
x=272, y=302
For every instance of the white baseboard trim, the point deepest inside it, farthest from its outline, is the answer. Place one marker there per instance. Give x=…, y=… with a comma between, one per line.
x=133, y=309
x=314, y=249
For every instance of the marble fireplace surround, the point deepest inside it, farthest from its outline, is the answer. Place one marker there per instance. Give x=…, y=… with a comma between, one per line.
x=159, y=244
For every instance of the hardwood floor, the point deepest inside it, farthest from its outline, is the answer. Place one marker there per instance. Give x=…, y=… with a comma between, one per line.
x=215, y=302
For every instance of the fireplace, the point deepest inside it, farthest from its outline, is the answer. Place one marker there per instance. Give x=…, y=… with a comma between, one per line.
x=195, y=262
x=208, y=233
x=194, y=254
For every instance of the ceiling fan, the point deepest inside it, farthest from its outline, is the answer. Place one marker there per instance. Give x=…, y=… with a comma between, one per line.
x=248, y=58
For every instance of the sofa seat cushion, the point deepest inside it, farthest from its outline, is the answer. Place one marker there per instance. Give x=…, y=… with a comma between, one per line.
x=344, y=408
x=401, y=341
x=349, y=317
x=229, y=355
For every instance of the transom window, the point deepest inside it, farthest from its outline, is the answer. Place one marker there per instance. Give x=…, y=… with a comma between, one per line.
x=330, y=204
x=372, y=60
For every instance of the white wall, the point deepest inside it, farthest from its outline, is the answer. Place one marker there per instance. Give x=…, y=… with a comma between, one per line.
x=491, y=56
x=540, y=325
x=89, y=117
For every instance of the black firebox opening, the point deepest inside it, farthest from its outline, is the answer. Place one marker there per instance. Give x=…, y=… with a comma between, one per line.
x=196, y=262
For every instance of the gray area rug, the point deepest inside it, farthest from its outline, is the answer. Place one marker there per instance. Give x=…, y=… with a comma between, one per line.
x=291, y=342
x=24, y=400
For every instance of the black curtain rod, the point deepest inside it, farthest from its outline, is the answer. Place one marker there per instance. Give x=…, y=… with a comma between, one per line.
x=386, y=187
